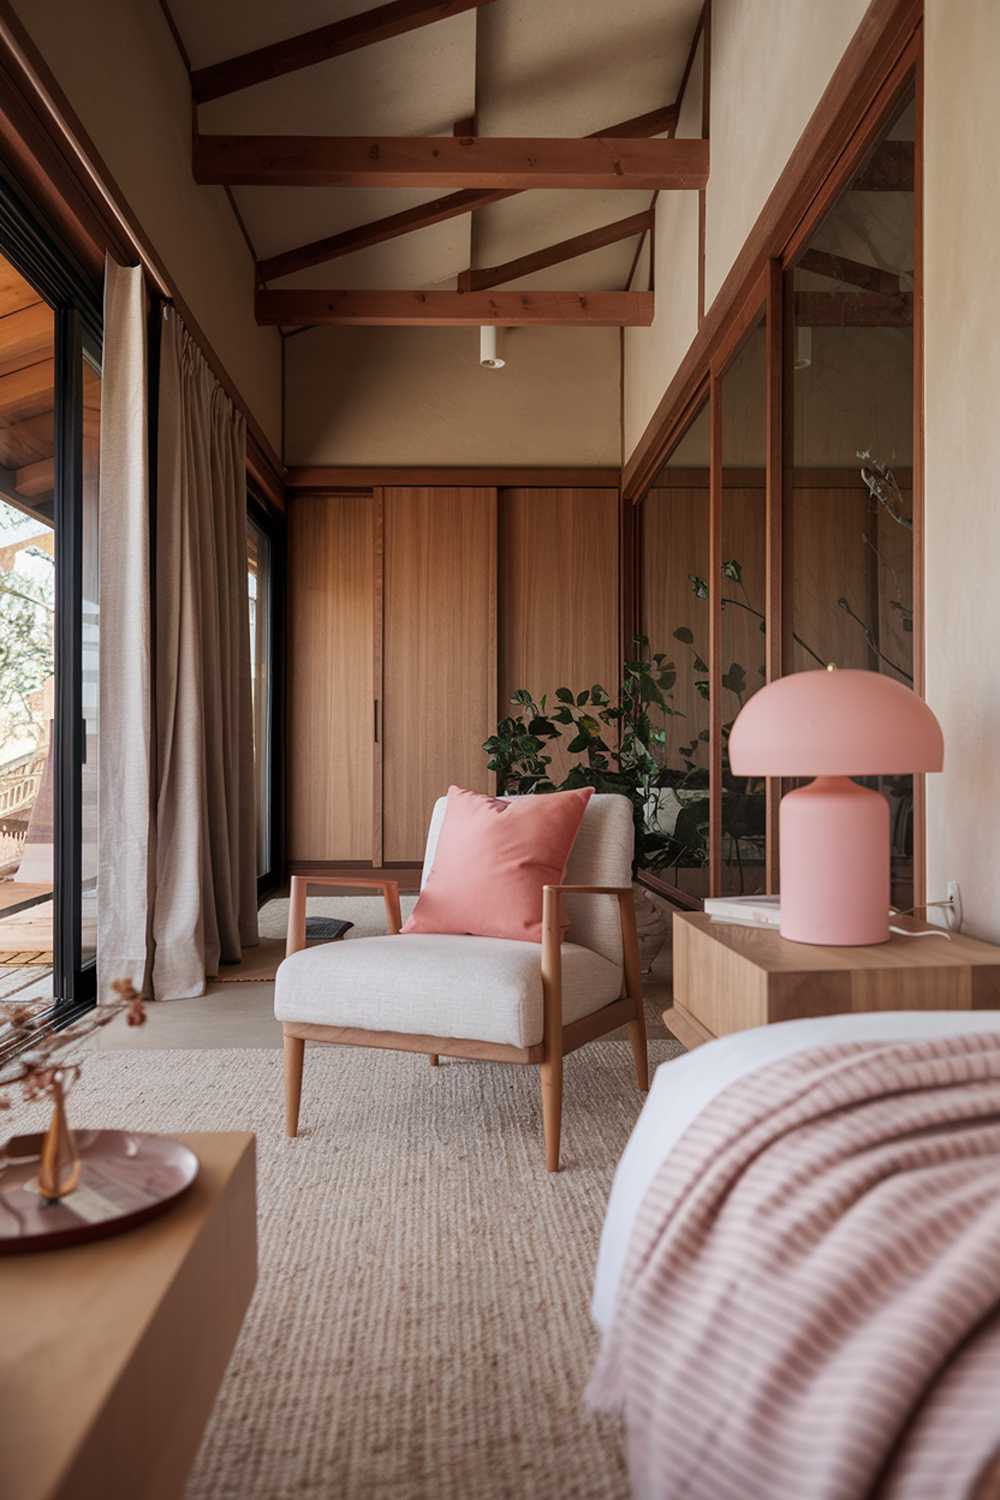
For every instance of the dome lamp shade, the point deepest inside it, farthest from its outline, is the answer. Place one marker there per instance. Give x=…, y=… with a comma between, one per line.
x=834, y=835
x=835, y=722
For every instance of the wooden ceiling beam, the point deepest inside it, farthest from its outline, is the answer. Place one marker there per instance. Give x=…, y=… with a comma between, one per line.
x=310, y=47
x=853, y=272
x=449, y=161
x=479, y=279
x=27, y=392
x=36, y=479
x=332, y=247
x=409, y=309
x=364, y=235
x=30, y=330
x=854, y=309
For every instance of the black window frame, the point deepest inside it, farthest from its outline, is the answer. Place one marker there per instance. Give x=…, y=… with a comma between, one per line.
x=76, y=297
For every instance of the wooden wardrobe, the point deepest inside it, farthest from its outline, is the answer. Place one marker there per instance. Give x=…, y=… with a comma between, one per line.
x=414, y=612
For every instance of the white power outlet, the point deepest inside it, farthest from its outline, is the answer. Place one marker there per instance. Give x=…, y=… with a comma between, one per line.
x=953, y=911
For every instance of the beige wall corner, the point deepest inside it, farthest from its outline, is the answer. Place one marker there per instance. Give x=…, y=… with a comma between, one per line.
x=962, y=378
x=139, y=117
x=420, y=396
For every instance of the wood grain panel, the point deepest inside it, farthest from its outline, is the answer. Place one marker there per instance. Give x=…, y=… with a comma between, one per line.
x=828, y=561
x=331, y=689
x=558, y=595
x=439, y=647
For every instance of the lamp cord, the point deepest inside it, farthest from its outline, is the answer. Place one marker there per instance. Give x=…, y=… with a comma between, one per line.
x=927, y=931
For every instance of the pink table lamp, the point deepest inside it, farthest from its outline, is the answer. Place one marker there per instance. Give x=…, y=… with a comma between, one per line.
x=835, y=834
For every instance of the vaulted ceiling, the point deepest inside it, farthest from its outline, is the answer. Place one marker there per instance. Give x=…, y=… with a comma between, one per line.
x=498, y=68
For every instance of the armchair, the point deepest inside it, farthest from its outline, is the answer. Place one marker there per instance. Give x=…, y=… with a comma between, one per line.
x=475, y=997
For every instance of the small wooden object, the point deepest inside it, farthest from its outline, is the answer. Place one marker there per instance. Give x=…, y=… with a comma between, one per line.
x=729, y=978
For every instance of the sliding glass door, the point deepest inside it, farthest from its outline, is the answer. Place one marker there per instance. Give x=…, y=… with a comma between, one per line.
x=50, y=393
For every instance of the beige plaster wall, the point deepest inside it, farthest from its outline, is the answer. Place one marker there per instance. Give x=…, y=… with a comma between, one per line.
x=962, y=382
x=420, y=396
x=653, y=354
x=771, y=61
x=138, y=113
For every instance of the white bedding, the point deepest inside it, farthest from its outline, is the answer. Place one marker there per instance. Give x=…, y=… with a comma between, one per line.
x=683, y=1087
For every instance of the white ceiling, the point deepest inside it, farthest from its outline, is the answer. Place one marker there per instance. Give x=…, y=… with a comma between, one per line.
x=523, y=67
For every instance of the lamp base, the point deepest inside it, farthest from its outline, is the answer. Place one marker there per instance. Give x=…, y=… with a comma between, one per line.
x=835, y=864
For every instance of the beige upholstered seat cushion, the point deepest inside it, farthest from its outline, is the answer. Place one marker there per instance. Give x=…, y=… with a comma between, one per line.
x=602, y=855
x=483, y=989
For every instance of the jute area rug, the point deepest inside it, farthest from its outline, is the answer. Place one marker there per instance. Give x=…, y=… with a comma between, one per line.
x=420, y=1329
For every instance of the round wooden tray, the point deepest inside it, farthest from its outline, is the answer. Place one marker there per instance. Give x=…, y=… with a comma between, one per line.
x=126, y=1177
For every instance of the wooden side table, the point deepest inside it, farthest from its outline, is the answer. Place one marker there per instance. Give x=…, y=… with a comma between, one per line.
x=729, y=978
x=112, y=1352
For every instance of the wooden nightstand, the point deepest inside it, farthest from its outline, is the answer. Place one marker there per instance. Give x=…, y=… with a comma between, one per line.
x=729, y=978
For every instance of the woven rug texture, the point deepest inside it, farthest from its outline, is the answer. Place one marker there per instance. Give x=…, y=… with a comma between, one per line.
x=420, y=1328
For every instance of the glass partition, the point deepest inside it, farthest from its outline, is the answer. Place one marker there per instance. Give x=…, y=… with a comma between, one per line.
x=675, y=624
x=743, y=603
x=848, y=519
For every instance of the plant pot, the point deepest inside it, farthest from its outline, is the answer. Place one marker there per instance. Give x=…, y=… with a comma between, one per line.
x=652, y=925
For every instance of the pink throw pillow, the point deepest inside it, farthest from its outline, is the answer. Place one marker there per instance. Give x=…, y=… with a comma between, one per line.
x=492, y=860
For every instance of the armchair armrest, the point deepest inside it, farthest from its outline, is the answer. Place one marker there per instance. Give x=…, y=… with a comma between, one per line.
x=300, y=884
x=552, y=944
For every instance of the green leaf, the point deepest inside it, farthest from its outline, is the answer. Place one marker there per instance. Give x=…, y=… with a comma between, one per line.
x=701, y=683
x=582, y=698
x=564, y=695
x=543, y=727
x=732, y=570
x=699, y=665
x=521, y=695
x=735, y=678
x=699, y=586
x=682, y=633
x=598, y=694
x=579, y=744
x=562, y=716
x=589, y=724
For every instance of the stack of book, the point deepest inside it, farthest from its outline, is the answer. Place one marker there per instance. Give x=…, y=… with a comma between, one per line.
x=748, y=911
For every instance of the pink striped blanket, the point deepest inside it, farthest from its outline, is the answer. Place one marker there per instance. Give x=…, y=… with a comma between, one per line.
x=811, y=1304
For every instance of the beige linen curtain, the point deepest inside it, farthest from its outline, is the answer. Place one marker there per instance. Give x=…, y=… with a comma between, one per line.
x=206, y=886
x=125, y=777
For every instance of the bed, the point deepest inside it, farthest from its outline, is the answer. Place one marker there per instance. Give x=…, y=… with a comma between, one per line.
x=683, y=1087
x=798, y=1285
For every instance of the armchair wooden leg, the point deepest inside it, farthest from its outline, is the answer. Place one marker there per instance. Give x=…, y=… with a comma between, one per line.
x=294, y=1051
x=633, y=988
x=552, y=1086
x=435, y=1060
x=637, y=1036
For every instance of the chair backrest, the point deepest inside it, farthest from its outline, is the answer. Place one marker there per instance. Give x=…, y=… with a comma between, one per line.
x=602, y=855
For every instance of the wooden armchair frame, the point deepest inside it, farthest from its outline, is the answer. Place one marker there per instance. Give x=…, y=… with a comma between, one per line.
x=558, y=1040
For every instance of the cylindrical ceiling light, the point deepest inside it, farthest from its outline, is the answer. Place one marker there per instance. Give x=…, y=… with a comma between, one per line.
x=488, y=357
